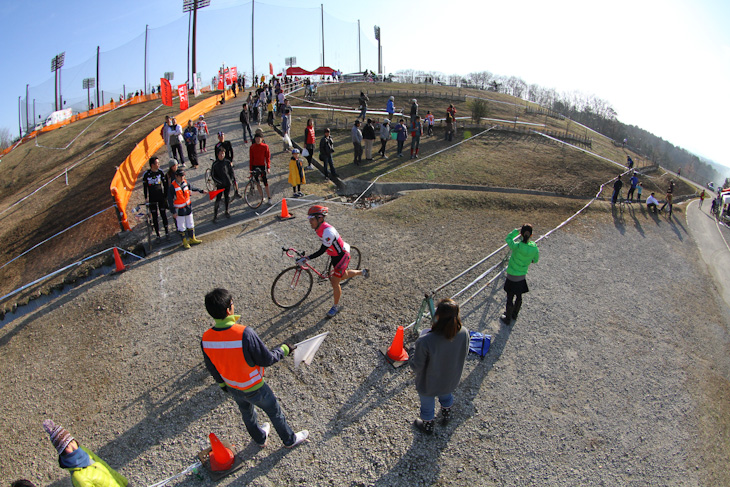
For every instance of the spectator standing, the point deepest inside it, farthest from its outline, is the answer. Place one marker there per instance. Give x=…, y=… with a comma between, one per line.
x=414, y=109
x=178, y=199
x=634, y=181
x=270, y=111
x=296, y=174
x=309, y=141
x=235, y=357
x=702, y=197
x=223, y=177
x=326, y=149
x=438, y=363
x=416, y=132
x=165, y=134
x=629, y=162
x=170, y=175
x=617, y=185
x=202, y=128
x=384, y=136
x=390, y=107
x=449, y=136
x=523, y=254
x=226, y=145
x=175, y=133
x=363, y=100
x=670, y=196
x=155, y=187
x=243, y=117
x=639, y=188
x=191, y=138
x=286, y=130
x=85, y=467
x=357, y=142
x=368, y=137
x=452, y=111
x=401, y=135
x=429, y=123
x=259, y=157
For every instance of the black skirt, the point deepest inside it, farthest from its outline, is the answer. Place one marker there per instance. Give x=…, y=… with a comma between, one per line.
x=516, y=287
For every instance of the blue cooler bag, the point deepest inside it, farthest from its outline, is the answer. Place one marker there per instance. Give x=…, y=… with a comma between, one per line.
x=479, y=343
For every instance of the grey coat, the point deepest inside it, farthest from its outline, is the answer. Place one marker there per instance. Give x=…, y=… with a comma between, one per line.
x=438, y=362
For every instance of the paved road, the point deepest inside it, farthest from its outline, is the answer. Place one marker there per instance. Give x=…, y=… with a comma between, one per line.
x=712, y=240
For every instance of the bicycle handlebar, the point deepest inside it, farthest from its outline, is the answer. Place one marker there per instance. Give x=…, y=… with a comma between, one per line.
x=287, y=251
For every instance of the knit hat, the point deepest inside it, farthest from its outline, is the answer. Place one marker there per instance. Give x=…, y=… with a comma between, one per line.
x=60, y=437
x=173, y=162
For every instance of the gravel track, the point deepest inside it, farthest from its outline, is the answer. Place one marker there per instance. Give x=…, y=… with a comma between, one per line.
x=602, y=381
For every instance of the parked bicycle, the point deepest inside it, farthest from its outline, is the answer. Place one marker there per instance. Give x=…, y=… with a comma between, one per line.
x=253, y=193
x=292, y=286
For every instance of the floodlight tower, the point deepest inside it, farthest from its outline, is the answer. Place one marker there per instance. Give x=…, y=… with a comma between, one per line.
x=377, y=37
x=56, y=65
x=193, y=6
x=88, y=83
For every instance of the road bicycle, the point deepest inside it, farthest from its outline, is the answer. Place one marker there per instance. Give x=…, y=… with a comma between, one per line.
x=253, y=192
x=292, y=286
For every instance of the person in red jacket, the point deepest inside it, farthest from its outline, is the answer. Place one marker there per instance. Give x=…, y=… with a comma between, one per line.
x=260, y=160
x=309, y=141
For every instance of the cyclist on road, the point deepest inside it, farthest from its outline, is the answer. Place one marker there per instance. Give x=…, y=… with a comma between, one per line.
x=260, y=161
x=337, y=249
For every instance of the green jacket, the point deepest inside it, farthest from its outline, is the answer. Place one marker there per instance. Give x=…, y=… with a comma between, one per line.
x=523, y=254
x=98, y=474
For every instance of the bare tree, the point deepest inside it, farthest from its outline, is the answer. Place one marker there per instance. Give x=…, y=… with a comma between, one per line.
x=5, y=138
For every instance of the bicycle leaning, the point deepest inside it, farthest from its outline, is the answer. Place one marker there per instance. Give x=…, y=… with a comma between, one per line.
x=253, y=193
x=292, y=286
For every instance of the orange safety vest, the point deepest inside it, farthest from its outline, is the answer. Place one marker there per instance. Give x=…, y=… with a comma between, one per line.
x=182, y=195
x=225, y=349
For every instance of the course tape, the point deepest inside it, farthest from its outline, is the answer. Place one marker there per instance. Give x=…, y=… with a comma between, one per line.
x=189, y=469
x=35, y=136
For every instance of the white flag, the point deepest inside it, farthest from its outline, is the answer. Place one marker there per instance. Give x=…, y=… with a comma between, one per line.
x=306, y=349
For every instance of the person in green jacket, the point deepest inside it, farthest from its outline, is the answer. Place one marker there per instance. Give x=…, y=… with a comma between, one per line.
x=86, y=469
x=524, y=253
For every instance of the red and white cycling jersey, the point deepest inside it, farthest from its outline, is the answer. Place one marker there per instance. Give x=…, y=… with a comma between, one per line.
x=332, y=240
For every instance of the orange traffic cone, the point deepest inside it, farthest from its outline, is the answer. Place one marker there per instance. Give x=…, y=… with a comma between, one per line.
x=284, y=210
x=118, y=261
x=221, y=458
x=396, y=352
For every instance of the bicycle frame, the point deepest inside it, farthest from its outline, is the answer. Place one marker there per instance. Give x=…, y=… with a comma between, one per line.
x=305, y=265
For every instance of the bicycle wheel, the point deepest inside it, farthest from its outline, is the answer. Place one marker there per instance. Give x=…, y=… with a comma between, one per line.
x=209, y=180
x=253, y=194
x=291, y=287
x=355, y=258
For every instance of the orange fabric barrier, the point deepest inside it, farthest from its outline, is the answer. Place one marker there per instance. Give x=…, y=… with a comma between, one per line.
x=126, y=176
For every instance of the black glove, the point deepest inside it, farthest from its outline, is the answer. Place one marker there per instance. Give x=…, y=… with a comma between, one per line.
x=290, y=347
x=224, y=388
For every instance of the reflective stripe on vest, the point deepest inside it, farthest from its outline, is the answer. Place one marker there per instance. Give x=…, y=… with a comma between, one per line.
x=225, y=350
x=182, y=195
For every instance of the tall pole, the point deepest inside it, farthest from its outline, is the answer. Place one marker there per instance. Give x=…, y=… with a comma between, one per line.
x=195, y=29
x=359, y=51
x=60, y=91
x=55, y=90
x=253, y=70
x=20, y=127
x=190, y=19
x=27, y=127
x=34, y=122
x=145, y=60
x=97, y=76
x=322, y=8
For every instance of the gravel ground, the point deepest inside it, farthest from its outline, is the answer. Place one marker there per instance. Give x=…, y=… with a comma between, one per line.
x=602, y=381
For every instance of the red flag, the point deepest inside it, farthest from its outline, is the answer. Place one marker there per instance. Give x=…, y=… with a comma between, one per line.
x=234, y=74
x=220, y=80
x=212, y=194
x=271, y=69
x=182, y=90
x=166, y=92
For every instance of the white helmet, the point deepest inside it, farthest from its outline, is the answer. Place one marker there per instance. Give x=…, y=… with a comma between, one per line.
x=391, y=98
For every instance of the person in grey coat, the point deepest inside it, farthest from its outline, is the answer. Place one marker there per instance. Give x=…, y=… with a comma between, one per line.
x=357, y=142
x=438, y=363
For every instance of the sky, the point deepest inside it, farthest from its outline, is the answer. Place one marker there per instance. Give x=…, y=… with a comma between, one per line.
x=663, y=65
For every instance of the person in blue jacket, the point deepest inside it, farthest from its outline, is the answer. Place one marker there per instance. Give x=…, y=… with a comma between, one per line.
x=524, y=253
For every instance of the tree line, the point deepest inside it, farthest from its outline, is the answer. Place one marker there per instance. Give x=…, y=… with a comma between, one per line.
x=589, y=110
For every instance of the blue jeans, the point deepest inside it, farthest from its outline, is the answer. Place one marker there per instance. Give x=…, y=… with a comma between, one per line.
x=428, y=405
x=247, y=127
x=328, y=161
x=265, y=399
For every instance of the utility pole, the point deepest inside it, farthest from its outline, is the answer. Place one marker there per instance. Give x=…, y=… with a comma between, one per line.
x=97, y=73
x=56, y=65
x=253, y=69
x=20, y=127
x=359, y=50
x=380, y=50
x=190, y=20
x=145, y=59
x=193, y=5
x=27, y=126
x=321, y=5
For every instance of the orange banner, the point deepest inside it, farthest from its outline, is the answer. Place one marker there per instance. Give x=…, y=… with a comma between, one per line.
x=166, y=90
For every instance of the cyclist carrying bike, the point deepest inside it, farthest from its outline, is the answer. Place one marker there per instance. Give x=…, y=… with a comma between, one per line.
x=260, y=161
x=337, y=249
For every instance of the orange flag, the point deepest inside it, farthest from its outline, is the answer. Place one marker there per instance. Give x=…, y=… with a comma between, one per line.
x=166, y=92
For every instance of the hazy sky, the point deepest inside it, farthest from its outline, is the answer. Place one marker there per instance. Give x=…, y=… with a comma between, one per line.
x=663, y=65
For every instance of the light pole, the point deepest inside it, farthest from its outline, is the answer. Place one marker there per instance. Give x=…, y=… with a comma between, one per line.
x=88, y=83
x=194, y=5
x=377, y=37
x=56, y=65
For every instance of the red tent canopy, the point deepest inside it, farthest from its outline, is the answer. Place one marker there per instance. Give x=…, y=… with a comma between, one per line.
x=323, y=70
x=296, y=71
